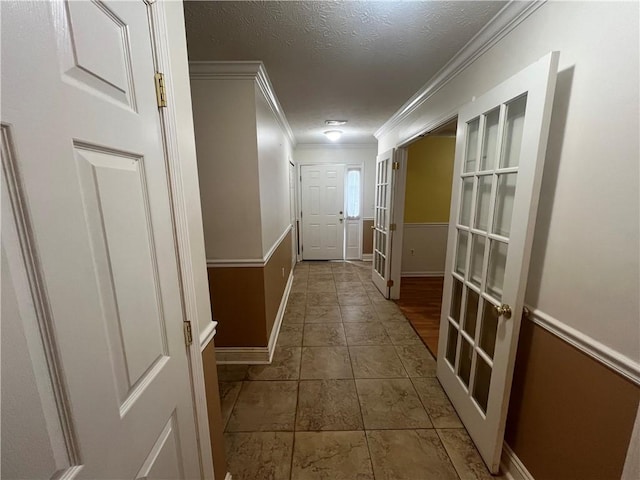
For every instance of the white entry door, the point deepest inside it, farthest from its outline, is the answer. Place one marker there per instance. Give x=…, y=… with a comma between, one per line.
x=322, y=212
x=99, y=384
x=382, y=232
x=500, y=151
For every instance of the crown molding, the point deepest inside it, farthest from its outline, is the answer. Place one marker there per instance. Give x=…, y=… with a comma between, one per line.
x=508, y=18
x=243, y=70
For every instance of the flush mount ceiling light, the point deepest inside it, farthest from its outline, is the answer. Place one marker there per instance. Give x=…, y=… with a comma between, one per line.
x=333, y=135
x=334, y=123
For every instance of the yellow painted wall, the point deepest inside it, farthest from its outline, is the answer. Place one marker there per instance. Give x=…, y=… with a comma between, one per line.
x=429, y=178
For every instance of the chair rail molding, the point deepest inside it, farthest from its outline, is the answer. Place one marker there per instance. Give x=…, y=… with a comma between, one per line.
x=607, y=356
x=249, y=262
x=207, y=335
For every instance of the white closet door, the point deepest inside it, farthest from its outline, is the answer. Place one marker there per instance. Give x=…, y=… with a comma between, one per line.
x=88, y=242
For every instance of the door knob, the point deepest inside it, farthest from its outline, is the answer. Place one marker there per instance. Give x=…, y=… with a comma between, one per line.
x=503, y=310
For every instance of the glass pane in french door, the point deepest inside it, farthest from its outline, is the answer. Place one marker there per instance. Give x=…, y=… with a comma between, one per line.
x=380, y=218
x=488, y=184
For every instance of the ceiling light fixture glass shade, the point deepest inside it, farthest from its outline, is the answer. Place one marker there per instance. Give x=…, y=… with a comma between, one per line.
x=334, y=123
x=333, y=135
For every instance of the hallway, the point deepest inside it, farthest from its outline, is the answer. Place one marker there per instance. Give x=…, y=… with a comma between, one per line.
x=351, y=393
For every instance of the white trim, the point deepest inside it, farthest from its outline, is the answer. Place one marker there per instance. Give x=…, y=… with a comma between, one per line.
x=607, y=356
x=275, y=331
x=235, y=262
x=181, y=206
x=367, y=257
x=508, y=18
x=249, y=262
x=207, y=335
x=512, y=467
x=227, y=476
x=242, y=355
x=425, y=225
x=422, y=274
x=277, y=243
x=244, y=70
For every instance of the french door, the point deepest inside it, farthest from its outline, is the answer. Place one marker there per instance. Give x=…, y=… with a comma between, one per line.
x=500, y=150
x=322, y=212
x=381, y=273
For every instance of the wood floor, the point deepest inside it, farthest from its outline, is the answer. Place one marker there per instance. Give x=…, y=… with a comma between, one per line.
x=420, y=301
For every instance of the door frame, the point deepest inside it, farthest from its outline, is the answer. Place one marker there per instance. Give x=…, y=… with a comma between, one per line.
x=189, y=250
x=299, y=213
x=398, y=199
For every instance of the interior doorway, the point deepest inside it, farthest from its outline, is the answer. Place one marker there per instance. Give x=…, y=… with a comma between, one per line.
x=427, y=203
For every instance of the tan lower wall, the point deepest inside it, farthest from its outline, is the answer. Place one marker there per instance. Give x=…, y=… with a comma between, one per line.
x=367, y=237
x=570, y=417
x=245, y=300
x=276, y=275
x=216, y=427
x=238, y=303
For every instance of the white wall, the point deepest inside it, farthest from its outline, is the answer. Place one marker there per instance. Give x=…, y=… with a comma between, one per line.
x=347, y=154
x=585, y=262
x=424, y=249
x=274, y=152
x=224, y=113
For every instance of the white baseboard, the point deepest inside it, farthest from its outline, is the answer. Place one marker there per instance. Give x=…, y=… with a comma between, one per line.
x=275, y=331
x=422, y=274
x=242, y=355
x=257, y=355
x=512, y=467
x=367, y=257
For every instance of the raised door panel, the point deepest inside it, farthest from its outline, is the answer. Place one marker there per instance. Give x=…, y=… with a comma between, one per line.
x=163, y=461
x=101, y=67
x=118, y=219
x=33, y=415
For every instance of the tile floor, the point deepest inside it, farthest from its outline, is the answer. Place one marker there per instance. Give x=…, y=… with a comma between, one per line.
x=351, y=393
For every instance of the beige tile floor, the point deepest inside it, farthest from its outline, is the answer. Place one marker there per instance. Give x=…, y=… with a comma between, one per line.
x=351, y=393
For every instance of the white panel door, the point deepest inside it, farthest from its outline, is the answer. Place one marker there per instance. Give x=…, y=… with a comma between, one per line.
x=88, y=246
x=322, y=212
x=381, y=273
x=500, y=149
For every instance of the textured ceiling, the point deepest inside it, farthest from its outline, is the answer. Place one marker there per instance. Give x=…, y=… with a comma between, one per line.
x=358, y=61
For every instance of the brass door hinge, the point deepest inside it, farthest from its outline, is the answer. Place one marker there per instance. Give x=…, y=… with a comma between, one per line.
x=161, y=91
x=392, y=227
x=396, y=165
x=188, y=336
x=389, y=283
